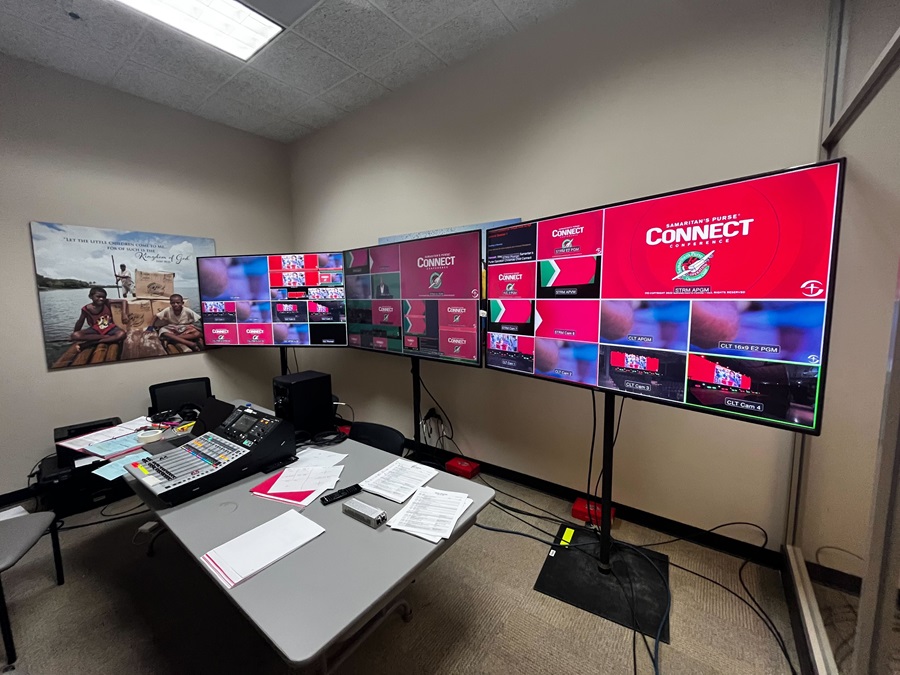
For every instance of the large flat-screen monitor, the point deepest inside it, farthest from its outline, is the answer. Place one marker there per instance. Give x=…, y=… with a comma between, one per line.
x=281, y=300
x=417, y=298
x=715, y=298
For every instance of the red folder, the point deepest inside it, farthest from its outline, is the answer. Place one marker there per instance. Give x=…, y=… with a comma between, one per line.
x=264, y=490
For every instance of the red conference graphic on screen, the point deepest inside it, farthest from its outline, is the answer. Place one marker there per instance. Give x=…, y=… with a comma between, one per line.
x=716, y=298
x=419, y=297
x=573, y=235
x=441, y=267
x=516, y=280
x=765, y=238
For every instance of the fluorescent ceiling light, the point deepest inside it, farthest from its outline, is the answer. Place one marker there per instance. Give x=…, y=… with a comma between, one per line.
x=226, y=24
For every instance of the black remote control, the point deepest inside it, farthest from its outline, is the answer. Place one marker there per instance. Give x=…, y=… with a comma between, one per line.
x=340, y=494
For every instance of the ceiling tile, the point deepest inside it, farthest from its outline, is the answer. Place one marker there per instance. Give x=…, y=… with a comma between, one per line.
x=235, y=114
x=258, y=89
x=420, y=16
x=355, y=92
x=28, y=41
x=285, y=12
x=404, y=65
x=152, y=84
x=103, y=23
x=296, y=62
x=469, y=32
x=285, y=131
x=183, y=56
x=525, y=12
x=352, y=30
x=317, y=114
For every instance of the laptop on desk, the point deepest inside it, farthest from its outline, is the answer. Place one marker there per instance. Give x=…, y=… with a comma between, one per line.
x=212, y=414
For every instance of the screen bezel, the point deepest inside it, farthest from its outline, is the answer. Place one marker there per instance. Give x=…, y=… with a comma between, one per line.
x=266, y=255
x=479, y=363
x=841, y=162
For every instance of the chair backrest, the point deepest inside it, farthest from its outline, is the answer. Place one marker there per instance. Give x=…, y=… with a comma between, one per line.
x=378, y=436
x=173, y=395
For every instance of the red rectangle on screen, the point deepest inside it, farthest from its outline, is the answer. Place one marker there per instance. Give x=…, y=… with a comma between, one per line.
x=576, y=234
x=516, y=280
x=380, y=343
x=764, y=238
x=525, y=345
x=701, y=369
x=255, y=334
x=567, y=319
x=220, y=334
x=458, y=313
x=441, y=267
x=311, y=260
x=410, y=341
x=384, y=258
x=355, y=339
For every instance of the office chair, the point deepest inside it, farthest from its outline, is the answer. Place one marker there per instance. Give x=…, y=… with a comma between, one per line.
x=173, y=395
x=378, y=436
x=17, y=536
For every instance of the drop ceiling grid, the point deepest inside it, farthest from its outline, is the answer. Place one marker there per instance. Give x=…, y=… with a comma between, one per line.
x=336, y=58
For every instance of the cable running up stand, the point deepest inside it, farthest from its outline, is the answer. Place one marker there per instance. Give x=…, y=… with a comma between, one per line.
x=619, y=582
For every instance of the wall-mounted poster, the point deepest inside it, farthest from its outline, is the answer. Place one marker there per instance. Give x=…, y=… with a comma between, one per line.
x=110, y=295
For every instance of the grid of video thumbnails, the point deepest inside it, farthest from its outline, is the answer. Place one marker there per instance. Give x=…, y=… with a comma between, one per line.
x=282, y=300
x=417, y=298
x=704, y=331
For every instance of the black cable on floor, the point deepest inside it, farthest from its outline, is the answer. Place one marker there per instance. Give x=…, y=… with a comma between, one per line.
x=113, y=515
x=761, y=613
x=665, y=616
x=101, y=522
x=742, y=599
x=512, y=496
x=654, y=656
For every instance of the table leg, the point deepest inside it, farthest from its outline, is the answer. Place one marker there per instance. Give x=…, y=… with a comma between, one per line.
x=6, y=629
x=342, y=652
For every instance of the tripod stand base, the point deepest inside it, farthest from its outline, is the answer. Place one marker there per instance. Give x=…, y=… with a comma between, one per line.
x=633, y=595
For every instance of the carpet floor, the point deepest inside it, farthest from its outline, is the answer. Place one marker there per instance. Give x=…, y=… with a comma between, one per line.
x=474, y=611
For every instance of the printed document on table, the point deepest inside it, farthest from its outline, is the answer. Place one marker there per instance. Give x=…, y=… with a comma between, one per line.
x=253, y=551
x=431, y=513
x=317, y=457
x=301, y=479
x=398, y=480
x=14, y=512
x=83, y=442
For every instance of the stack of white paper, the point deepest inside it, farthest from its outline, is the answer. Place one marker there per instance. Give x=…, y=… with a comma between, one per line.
x=14, y=512
x=242, y=557
x=317, y=457
x=306, y=478
x=431, y=514
x=398, y=480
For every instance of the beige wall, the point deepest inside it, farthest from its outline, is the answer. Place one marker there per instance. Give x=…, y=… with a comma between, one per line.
x=607, y=102
x=841, y=464
x=78, y=153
